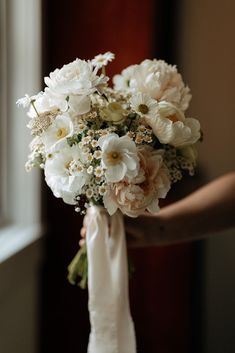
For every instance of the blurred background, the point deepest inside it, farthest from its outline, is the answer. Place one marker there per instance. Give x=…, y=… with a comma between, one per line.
x=182, y=296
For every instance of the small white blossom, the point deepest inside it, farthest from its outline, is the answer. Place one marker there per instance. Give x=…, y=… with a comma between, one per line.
x=89, y=193
x=85, y=150
x=97, y=154
x=24, y=101
x=81, y=127
x=90, y=169
x=74, y=167
x=103, y=59
x=102, y=190
x=91, y=133
x=88, y=157
x=144, y=105
x=94, y=143
x=86, y=140
x=27, y=100
x=99, y=171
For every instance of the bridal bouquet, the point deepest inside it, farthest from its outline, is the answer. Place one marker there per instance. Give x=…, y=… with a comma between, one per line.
x=111, y=151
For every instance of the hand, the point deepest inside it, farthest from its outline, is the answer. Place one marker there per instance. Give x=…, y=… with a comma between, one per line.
x=145, y=230
x=82, y=241
x=142, y=231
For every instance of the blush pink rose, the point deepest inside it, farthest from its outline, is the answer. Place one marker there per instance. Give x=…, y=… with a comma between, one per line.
x=141, y=193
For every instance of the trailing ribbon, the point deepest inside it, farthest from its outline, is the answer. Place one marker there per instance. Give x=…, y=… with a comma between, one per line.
x=112, y=329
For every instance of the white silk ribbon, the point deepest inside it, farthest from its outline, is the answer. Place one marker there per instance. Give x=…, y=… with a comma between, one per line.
x=112, y=328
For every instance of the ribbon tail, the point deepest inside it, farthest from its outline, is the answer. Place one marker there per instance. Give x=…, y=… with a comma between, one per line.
x=119, y=268
x=112, y=329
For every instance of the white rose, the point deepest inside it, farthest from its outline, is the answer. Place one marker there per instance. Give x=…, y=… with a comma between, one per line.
x=78, y=77
x=119, y=157
x=65, y=174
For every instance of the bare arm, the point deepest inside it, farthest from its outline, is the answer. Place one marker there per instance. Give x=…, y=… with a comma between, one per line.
x=208, y=210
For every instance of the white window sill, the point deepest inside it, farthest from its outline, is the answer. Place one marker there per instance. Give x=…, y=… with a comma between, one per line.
x=15, y=238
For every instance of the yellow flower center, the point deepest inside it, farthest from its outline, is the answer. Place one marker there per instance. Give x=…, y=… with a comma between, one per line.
x=173, y=118
x=67, y=167
x=114, y=106
x=61, y=132
x=143, y=108
x=114, y=157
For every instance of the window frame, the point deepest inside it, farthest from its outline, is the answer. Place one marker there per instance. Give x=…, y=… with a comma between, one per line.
x=3, y=107
x=20, y=219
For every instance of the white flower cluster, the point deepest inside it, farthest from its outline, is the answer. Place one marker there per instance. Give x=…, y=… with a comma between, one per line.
x=119, y=147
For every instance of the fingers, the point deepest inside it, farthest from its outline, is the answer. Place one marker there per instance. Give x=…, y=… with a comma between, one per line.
x=83, y=232
x=83, y=235
x=82, y=242
x=142, y=231
x=145, y=231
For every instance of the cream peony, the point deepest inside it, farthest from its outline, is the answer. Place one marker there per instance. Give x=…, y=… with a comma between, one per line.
x=122, y=82
x=65, y=174
x=78, y=77
x=171, y=127
x=60, y=129
x=119, y=157
x=157, y=79
x=135, y=196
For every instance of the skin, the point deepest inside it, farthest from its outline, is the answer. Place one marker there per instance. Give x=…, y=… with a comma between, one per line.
x=207, y=211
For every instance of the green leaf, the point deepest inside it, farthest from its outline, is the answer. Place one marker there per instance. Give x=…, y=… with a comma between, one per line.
x=78, y=268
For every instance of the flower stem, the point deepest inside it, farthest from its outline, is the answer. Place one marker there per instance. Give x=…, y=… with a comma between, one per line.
x=103, y=70
x=33, y=105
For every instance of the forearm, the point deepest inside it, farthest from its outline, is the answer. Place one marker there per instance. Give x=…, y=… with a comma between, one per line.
x=208, y=210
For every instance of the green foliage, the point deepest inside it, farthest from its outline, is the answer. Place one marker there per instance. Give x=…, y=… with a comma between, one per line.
x=75, y=139
x=78, y=269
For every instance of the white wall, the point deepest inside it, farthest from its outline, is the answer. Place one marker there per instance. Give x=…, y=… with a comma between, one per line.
x=207, y=57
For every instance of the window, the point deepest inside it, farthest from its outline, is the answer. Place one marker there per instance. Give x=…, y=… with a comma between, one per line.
x=3, y=113
x=20, y=73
